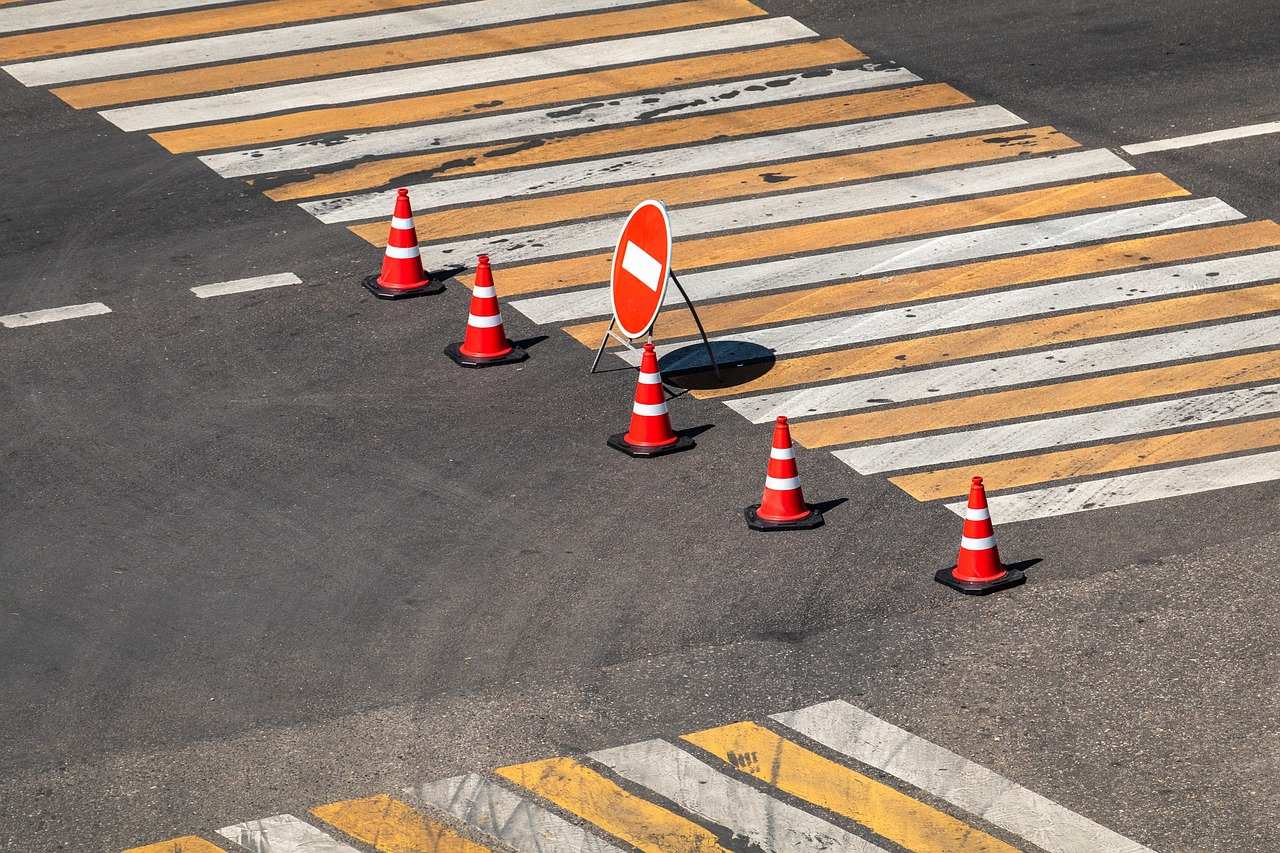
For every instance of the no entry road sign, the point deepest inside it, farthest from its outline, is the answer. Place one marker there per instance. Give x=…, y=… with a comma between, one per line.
x=641, y=268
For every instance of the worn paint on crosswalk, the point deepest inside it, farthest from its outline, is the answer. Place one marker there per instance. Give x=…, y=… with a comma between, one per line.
x=754, y=785
x=932, y=286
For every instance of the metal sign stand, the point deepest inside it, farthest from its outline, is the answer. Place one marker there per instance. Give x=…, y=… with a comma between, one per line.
x=629, y=343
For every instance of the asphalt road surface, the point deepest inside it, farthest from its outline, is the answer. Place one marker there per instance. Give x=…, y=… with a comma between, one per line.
x=269, y=550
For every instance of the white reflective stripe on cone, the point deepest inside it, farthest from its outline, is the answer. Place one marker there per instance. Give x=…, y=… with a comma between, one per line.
x=484, y=292
x=401, y=224
x=782, y=453
x=977, y=544
x=650, y=409
x=650, y=378
x=782, y=484
x=484, y=322
x=403, y=253
x=977, y=514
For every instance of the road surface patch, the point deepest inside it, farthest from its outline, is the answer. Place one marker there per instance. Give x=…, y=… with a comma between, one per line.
x=827, y=777
x=931, y=275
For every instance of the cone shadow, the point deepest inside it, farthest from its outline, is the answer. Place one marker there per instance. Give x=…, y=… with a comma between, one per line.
x=740, y=362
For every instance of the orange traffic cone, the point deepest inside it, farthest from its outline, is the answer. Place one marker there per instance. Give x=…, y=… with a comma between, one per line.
x=485, y=343
x=978, y=569
x=402, y=273
x=782, y=506
x=651, y=433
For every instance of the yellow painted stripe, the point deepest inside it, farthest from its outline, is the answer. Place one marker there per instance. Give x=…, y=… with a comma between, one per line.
x=969, y=278
x=1040, y=400
x=1098, y=459
x=759, y=752
x=586, y=793
x=734, y=183
x=510, y=96
x=186, y=24
x=388, y=825
x=657, y=134
x=185, y=844
x=864, y=228
x=438, y=48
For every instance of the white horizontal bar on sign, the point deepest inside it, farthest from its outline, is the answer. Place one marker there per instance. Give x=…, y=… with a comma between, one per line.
x=53, y=315
x=1002, y=802
x=1027, y=436
x=1134, y=488
x=283, y=833
x=322, y=34
x=460, y=73
x=1191, y=140
x=762, y=821
x=791, y=207
x=62, y=12
x=1021, y=369
x=620, y=169
x=893, y=257
x=561, y=118
x=1047, y=299
x=506, y=816
x=244, y=285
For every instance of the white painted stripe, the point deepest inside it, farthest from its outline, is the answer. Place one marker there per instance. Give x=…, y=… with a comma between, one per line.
x=983, y=544
x=1048, y=299
x=1241, y=132
x=460, y=73
x=53, y=315
x=791, y=207
x=972, y=514
x=782, y=484
x=893, y=257
x=716, y=155
x=1181, y=413
x=282, y=833
x=244, y=285
x=485, y=292
x=403, y=252
x=484, y=322
x=650, y=378
x=61, y=12
x=764, y=823
x=321, y=34
x=1023, y=368
x=493, y=809
x=402, y=224
x=649, y=410
x=1136, y=488
x=782, y=453
x=561, y=118
x=642, y=265
x=854, y=733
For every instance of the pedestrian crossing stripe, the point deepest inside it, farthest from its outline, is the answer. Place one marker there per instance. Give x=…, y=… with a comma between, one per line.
x=827, y=777
x=927, y=285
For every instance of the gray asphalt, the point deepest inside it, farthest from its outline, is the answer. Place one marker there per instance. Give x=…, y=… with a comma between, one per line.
x=266, y=551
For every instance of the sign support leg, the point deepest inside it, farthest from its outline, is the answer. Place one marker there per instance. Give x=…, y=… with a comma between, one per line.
x=697, y=321
x=604, y=341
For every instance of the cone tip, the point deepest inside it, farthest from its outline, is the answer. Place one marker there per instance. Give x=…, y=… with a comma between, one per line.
x=782, y=420
x=977, y=481
x=482, y=260
x=648, y=346
x=403, y=191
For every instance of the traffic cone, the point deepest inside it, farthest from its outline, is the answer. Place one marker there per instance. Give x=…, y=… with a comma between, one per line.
x=402, y=273
x=651, y=433
x=782, y=506
x=485, y=343
x=978, y=569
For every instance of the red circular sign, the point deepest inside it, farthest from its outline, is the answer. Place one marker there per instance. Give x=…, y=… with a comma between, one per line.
x=641, y=266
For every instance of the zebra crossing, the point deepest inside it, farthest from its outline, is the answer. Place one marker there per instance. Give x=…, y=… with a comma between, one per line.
x=938, y=286
x=827, y=777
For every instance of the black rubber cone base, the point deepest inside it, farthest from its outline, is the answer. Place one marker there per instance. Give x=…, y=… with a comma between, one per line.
x=454, y=351
x=755, y=522
x=429, y=289
x=682, y=442
x=1012, y=577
